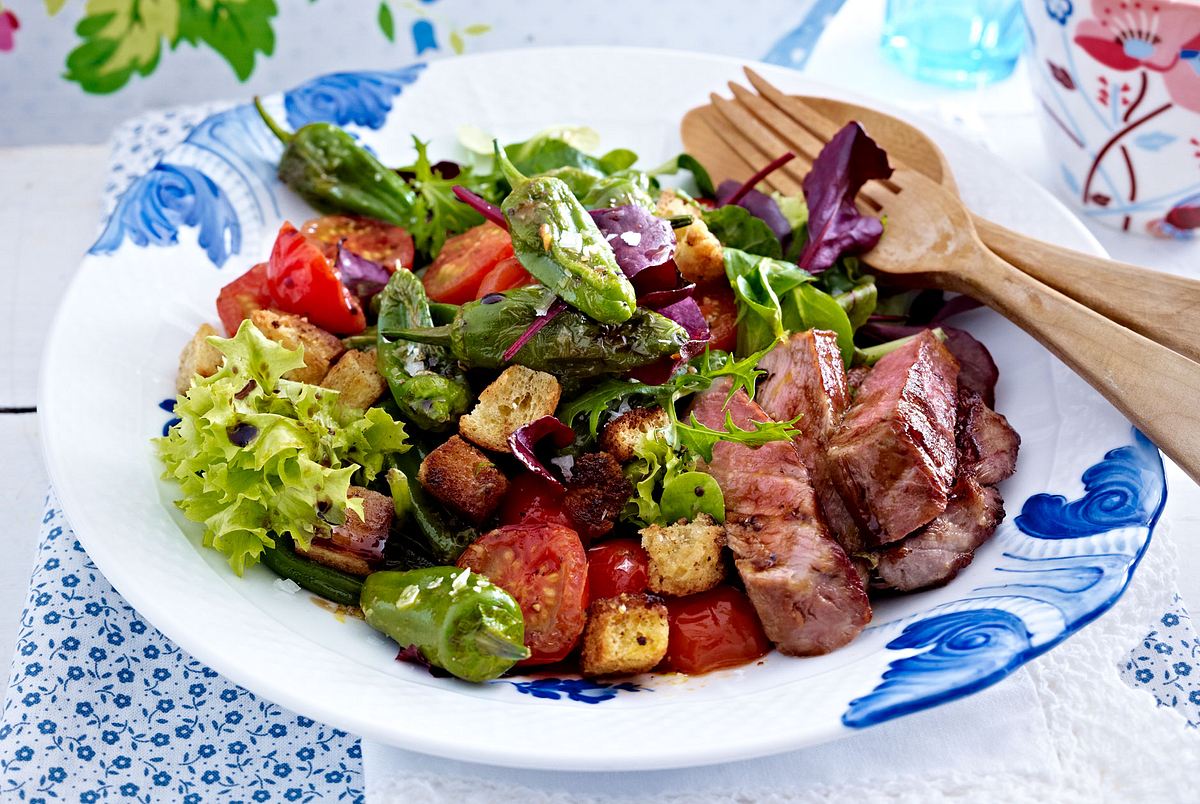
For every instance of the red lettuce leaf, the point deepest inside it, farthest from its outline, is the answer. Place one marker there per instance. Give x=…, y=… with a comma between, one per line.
x=524, y=440
x=835, y=226
x=758, y=204
x=657, y=299
x=481, y=205
x=685, y=312
x=361, y=277
x=556, y=307
x=639, y=239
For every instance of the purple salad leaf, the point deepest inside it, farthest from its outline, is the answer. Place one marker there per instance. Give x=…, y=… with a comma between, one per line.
x=685, y=312
x=657, y=299
x=444, y=170
x=361, y=277
x=959, y=304
x=835, y=226
x=639, y=238
x=525, y=439
x=758, y=204
x=556, y=307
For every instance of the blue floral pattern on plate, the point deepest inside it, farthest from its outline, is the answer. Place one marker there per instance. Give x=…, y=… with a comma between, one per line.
x=221, y=178
x=581, y=690
x=101, y=706
x=1064, y=564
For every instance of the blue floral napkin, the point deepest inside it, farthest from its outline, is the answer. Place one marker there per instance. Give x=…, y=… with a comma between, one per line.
x=101, y=706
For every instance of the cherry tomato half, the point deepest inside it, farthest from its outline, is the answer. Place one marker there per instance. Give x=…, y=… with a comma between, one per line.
x=531, y=500
x=507, y=274
x=714, y=629
x=388, y=245
x=544, y=568
x=719, y=309
x=617, y=566
x=464, y=261
x=242, y=296
x=303, y=281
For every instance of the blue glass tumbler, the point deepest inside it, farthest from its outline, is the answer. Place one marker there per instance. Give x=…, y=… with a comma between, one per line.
x=957, y=43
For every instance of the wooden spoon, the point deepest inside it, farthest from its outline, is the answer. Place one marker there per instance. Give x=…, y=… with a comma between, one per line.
x=931, y=241
x=1161, y=306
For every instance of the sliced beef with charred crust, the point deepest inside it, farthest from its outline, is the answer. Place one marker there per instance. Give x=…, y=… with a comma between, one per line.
x=807, y=378
x=806, y=592
x=936, y=553
x=896, y=443
x=987, y=444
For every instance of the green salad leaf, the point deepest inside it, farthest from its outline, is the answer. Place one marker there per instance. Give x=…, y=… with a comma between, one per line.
x=758, y=284
x=704, y=182
x=437, y=213
x=700, y=438
x=257, y=456
x=737, y=228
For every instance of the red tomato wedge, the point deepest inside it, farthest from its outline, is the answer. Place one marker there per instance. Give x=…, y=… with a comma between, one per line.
x=617, y=566
x=719, y=308
x=454, y=277
x=388, y=245
x=303, y=281
x=507, y=274
x=242, y=296
x=532, y=500
x=544, y=568
x=714, y=629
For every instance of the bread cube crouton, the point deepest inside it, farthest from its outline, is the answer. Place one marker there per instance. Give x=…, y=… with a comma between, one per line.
x=622, y=435
x=356, y=545
x=320, y=347
x=685, y=558
x=596, y=494
x=198, y=357
x=624, y=635
x=356, y=379
x=518, y=396
x=698, y=253
x=463, y=478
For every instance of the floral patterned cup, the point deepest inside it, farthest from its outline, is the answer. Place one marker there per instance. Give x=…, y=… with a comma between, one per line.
x=1119, y=86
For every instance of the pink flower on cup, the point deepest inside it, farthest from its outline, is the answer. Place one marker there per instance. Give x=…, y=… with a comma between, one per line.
x=8, y=27
x=1183, y=80
x=1128, y=34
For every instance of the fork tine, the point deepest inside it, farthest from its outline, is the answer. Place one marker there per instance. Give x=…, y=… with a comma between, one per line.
x=748, y=153
x=819, y=126
x=735, y=165
x=787, y=131
x=757, y=136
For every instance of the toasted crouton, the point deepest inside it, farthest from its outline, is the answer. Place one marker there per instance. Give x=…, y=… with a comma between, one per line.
x=596, y=494
x=198, y=357
x=463, y=478
x=357, y=380
x=685, y=558
x=518, y=396
x=356, y=545
x=624, y=635
x=698, y=253
x=320, y=347
x=622, y=435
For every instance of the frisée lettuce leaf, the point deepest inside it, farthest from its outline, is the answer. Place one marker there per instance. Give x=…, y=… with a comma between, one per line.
x=257, y=456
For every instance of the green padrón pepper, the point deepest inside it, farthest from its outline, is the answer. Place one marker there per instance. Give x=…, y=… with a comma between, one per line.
x=331, y=584
x=571, y=345
x=430, y=535
x=557, y=241
x=333, y=173
x=459, y=620
x=427, y=385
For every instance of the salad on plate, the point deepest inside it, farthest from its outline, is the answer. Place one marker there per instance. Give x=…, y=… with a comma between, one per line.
x=536, y=407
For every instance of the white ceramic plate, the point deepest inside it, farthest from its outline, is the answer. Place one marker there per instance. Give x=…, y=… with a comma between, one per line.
x=209, y=210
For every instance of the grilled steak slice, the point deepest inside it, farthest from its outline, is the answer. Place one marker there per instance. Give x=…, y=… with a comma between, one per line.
x=935, y=554
x=987, y=445
x=806, y=377
x=897, y=441
x=808, y=596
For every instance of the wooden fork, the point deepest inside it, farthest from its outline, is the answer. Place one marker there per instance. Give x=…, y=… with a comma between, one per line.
x=931, y=241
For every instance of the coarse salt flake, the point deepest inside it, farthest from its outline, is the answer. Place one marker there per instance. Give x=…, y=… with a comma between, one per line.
x=408, y=596
x=631, y=238
x=287, y=586
x=460, y=580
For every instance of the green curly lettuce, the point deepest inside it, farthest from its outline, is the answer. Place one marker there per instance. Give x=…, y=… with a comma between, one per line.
x=257, y=456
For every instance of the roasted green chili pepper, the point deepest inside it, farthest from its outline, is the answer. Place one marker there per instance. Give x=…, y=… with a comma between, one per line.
x=426, y=383
x=571, y=345
x=458, y=620
x=557, y=241
x=327, y=582
x=331, y=171
x=431, y=535
x=629, y=189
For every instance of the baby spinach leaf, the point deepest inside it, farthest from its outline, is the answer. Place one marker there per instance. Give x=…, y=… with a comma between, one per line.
x=737, y=228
